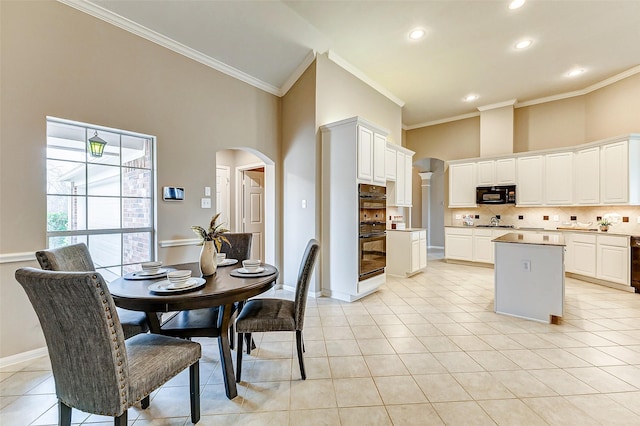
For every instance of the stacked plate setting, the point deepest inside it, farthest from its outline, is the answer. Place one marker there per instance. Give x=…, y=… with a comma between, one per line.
x=251, y=265
x=151, y=268
x=179, y=278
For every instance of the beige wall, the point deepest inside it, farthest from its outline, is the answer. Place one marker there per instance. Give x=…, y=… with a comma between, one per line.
x=447, y=141
x=60, y=62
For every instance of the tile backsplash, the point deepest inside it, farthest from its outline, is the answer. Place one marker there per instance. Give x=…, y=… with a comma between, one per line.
x=549, y=217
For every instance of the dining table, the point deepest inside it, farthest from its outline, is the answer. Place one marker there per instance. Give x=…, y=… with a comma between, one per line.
x=222, y=289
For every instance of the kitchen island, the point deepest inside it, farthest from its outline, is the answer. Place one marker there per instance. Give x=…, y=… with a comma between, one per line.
x=529, y=276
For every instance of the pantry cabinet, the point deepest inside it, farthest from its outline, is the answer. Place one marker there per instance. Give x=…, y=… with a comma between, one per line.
x=406, y=251
x=462, y=185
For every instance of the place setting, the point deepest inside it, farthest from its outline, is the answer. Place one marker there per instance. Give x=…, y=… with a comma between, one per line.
x=178, y=281
x=252, y=268
x=150, y=271
x=222, y=260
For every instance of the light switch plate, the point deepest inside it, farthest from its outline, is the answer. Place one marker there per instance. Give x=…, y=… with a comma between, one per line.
x=556, y=218
x=205, y=203
x=207, y=191
x=458, y=217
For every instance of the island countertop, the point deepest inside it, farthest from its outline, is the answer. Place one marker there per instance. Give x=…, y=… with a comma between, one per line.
x=538, y=239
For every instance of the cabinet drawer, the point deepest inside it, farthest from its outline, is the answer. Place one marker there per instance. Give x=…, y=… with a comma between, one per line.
x=459, y=231
x=482, y=232
x=613, y=241
x=415, y=236
x=423, y=235
x=583, y=238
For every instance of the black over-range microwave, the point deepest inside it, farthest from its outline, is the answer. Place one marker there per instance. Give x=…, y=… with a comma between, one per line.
x=496, y=194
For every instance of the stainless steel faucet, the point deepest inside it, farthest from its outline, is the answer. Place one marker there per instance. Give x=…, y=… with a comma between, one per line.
x=494, y=221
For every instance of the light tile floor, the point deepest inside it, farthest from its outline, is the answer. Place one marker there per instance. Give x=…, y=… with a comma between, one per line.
x=422, y=350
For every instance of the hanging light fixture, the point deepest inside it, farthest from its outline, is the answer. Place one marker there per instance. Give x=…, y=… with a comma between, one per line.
x=96, y=145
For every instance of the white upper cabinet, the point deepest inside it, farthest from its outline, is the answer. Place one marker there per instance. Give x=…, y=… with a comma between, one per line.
x=462, y=185
x=506, y=171
x=614, y=173
x=390, y=163
x=530, y=190
x=485, y=173
x=586, y=173
x=558, y=178
x=372, y=148
x=399, y=192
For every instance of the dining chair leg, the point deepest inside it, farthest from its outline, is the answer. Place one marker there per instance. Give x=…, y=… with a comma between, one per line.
x=249, y=340
x=239, y=357
x=145, y=402
x=121, y=420
x=64, y=414
x=194, y=391
x=232, y=336
x=299, y=345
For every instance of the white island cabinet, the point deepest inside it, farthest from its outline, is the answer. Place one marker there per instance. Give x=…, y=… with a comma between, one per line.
x=529, y=276
x=406, y=251
x=353, y=152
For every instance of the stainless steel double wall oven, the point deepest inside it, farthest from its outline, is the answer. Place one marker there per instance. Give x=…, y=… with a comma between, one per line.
x=373, y=237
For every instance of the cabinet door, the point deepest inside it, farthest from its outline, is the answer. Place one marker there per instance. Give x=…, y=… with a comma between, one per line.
x=458, y=245
x=365, y=154
x=584, y=258
x=506, y=171
x=379, y=158
x=408, y=179
x=415, y=255
x=391, y=167
x=423, y=249
x=485, y=173
x=614, y=173
x=530, y=177
x=462, y=186
x=558, y=178
x=613, y=259
x=586, y=173
x=400, y=181
x=482, y=248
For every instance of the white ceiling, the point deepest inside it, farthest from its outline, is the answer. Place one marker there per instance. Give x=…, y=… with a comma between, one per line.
x=468, y=47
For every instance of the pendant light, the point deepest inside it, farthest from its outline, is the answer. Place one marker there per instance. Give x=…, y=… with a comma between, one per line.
x=96, y=145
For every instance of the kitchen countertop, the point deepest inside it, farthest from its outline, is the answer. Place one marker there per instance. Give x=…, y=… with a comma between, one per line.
x=537, y=239
x=524, y=228
x=407, y=230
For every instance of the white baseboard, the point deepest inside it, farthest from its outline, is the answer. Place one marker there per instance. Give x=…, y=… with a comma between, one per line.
x=22, y=357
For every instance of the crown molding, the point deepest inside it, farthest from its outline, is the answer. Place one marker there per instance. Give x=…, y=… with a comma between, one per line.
x=164, y=41
x=363, y=77
x=308, y=60
x=510, y=102
x=441, y=121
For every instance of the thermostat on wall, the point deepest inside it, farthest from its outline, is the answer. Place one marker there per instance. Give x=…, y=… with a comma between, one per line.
x=172, y=193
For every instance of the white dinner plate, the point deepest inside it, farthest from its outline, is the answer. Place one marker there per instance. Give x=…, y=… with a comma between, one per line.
x=244, y=271
x=161, y=271
x=228, y=262
x=165, y=286
x=142, y=275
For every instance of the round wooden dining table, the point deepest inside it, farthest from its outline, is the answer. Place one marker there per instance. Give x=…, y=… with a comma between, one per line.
x=220, y=290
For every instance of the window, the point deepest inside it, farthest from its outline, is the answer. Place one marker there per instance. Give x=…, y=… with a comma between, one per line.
x=107, y=202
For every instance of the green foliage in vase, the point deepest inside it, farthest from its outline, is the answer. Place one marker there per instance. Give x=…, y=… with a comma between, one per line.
x=213, y=233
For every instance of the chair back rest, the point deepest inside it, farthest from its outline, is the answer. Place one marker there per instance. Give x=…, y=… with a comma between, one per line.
x=74, y=257
x=304, y=279
x=240, y=247
x=84, y=338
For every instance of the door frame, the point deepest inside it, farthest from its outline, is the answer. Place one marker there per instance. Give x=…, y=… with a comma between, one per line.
x=269, y=211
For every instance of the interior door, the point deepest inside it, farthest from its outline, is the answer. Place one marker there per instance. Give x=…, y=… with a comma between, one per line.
x=253, y=210
x=222, y=196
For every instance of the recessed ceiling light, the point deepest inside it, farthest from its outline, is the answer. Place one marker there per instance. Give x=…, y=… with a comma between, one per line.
x=416, y=34
x=576, y=72
x=516, y=4
x=523, y=44
x=470, y=98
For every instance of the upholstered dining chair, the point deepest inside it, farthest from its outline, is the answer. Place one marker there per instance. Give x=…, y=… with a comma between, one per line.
x=264, y=315
x=95, y=369
x=204, y=322
x=76, y=257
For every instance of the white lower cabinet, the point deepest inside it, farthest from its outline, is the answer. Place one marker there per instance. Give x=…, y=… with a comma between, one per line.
x=613, y=259
x=458, y=244
x=406, y=252
x=482, y=246
x=581, y=254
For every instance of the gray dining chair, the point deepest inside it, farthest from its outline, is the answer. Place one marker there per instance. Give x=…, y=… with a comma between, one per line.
x=76, y=257
x=95, y=369
x=264, y=315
